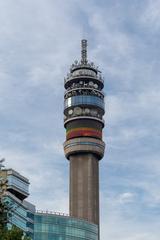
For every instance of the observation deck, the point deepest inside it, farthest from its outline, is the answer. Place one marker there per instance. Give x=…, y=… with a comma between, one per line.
x=84, y=107
x=84, y=73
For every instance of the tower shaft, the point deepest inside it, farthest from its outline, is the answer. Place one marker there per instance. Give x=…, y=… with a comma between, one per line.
x=84, y=187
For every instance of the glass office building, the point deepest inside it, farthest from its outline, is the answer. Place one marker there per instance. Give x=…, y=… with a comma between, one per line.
x=49, y=226
x=21, y=213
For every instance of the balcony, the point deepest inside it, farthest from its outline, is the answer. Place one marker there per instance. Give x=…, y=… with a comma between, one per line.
x=84, y=74
x=85, y=90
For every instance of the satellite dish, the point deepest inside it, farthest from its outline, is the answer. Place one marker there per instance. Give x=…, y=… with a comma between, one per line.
x=87, y=110
x=78, y=110
x=94, y=112
x=96, y=85
x=90, y=83
x=70, y=112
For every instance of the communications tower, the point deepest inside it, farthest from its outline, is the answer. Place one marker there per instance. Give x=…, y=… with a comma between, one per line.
x=83, y=120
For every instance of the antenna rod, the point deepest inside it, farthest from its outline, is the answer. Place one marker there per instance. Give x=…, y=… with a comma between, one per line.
x=84, y=51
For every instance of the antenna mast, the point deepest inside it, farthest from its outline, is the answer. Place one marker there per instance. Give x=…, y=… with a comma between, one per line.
x=84, y=51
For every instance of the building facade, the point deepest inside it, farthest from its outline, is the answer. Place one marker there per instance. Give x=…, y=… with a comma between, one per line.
x=21, y=212
x=49, y=226
x=84, y=147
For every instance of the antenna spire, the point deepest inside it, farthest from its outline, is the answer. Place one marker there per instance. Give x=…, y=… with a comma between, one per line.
x=84, y=51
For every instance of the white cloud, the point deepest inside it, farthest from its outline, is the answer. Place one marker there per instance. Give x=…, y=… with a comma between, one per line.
x=151, y=16
x=39, y=40
x=126, y=197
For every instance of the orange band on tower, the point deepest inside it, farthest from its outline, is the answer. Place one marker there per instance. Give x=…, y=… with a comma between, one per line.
x=84, y=132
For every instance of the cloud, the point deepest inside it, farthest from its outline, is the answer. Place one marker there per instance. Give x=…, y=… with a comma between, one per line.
x=39, y=41
x=151, y=16
x=126, y=197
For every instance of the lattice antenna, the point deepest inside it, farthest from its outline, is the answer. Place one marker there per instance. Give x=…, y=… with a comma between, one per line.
x=84, y=51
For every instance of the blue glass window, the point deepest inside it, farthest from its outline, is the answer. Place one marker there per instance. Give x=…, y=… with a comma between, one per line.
x=15, y=181
x=88, y=100
x=18, y=215
x=19, y=222
x=49, y=227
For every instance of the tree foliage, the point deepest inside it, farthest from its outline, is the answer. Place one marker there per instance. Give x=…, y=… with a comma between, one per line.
x=3, y=215
x=5, y=234
x=6, y=210
x=13, y=234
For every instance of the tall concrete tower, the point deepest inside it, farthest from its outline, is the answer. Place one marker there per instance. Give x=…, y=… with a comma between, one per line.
x=83, y=120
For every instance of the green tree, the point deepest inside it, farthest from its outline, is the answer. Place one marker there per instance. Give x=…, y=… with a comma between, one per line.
x=5, y=234
x=3, y=215
x=13, y=234
x=5, y=211
x=4, y=208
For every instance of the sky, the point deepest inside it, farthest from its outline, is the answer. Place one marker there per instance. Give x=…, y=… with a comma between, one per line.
x=39, y=40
